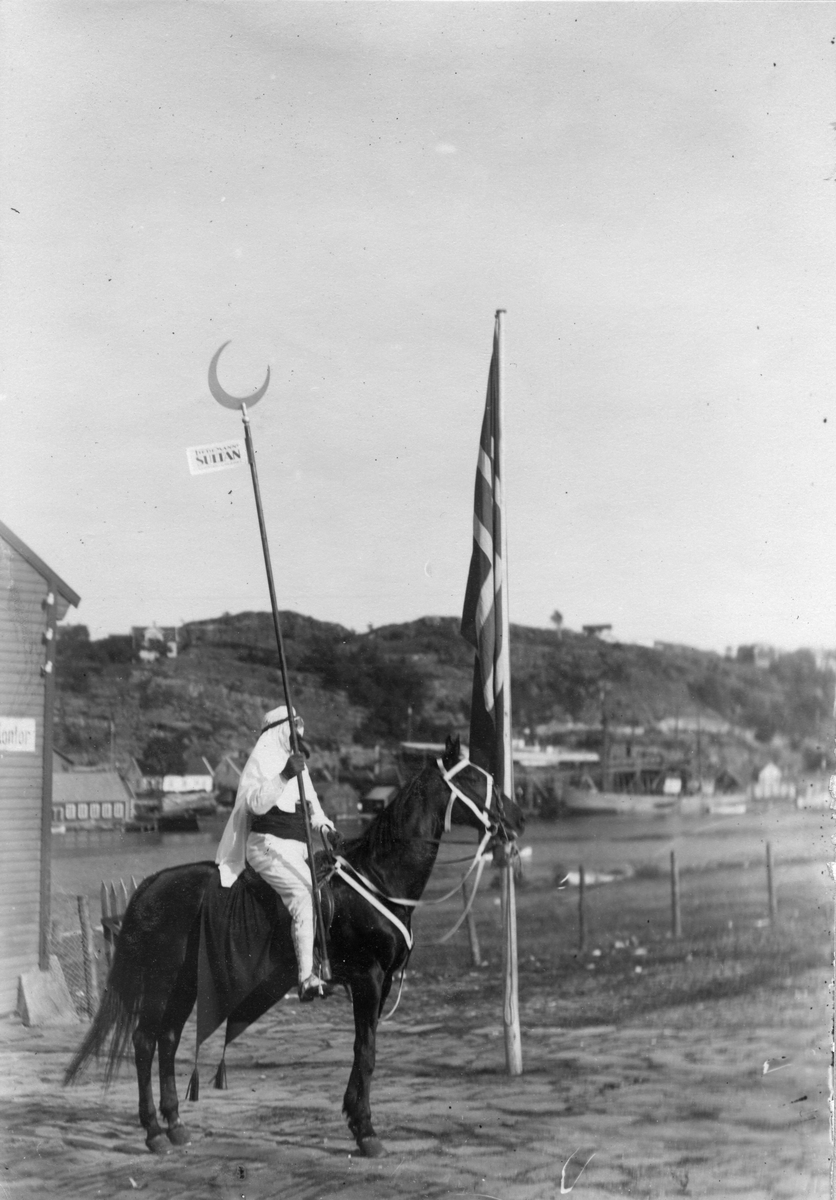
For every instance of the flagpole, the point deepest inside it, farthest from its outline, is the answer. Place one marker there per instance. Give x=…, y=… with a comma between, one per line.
x=510, y=1007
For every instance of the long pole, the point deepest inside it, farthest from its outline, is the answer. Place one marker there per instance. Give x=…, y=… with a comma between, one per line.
x=676, y=909
x=46, y=789
x=770, y=884
x=475, y=952
x=325, y=965
x=511, y=1008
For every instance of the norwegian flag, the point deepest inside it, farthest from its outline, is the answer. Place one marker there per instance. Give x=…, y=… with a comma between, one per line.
x=484, y=616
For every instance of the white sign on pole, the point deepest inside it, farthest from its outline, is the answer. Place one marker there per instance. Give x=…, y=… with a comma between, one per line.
x=17, y=735
x=219, y=456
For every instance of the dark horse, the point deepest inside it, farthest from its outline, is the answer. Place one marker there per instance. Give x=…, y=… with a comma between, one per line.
x=153, y=982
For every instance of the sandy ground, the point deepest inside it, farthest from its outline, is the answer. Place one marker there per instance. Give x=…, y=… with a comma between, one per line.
x=676, y=1105
x=693, y=1068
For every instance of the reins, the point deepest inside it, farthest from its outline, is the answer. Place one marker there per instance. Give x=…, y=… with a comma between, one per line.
x=379, y=899
x=366, y=888
x=370, y=891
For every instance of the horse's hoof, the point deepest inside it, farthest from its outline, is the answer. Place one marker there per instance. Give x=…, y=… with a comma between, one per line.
x=179, y=1135
x=158, y=1144
x=372, y=1147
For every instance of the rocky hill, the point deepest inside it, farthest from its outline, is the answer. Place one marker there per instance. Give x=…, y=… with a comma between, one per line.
x=413, y=681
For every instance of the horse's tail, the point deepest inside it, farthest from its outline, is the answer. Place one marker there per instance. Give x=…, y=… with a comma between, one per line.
x=119, y=1008
x=114, y=1021
x=151, y=947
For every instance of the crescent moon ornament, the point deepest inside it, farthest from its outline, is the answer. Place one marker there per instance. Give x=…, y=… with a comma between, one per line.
x=223, y=397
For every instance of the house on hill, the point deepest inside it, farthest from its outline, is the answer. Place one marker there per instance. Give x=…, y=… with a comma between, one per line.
x=33, y=599
x=197, y=776
x=152, y=642
x=693, y=722
x=604, y=633
x=771, y=785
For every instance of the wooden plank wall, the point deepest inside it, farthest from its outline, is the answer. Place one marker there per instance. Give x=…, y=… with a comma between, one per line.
x=23, y=619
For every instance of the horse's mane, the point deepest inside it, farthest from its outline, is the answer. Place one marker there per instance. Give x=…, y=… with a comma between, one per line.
x=388, y=828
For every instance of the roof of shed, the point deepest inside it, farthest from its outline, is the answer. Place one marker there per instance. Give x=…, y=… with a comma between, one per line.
x=84, y=786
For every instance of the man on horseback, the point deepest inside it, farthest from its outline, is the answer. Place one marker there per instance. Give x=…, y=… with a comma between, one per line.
x=267, y=830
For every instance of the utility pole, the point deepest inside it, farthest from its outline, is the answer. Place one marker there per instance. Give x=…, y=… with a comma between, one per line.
x=605, y=742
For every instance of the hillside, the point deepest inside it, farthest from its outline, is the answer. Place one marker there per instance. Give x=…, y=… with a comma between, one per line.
x=413, y=680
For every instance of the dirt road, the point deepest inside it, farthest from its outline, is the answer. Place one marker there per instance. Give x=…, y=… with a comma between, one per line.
x=670, y=1067
x=681, y=1105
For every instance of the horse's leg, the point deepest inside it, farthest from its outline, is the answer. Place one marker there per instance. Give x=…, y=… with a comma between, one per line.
x=176, y=1015
x=366, y=991
x=145, y=1041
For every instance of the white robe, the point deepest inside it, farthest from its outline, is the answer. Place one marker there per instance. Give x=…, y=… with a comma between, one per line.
x=260, y=788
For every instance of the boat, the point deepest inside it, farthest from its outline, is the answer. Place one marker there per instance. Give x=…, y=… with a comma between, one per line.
x=178, y=822
x=181, y=812
x=141, y=824
x=580, y=801
x=727, y=804
x=651, y=792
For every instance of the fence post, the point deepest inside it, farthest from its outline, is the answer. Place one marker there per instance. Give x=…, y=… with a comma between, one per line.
x=770, y=885
x=88, y=956
x=581, y=912
x=471, y=930
x=104, y=898
x=676, y=911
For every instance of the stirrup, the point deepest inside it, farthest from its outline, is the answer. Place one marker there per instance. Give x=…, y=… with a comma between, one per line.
x=312, y=988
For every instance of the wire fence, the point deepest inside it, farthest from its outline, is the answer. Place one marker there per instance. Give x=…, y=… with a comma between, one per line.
x=66, y=942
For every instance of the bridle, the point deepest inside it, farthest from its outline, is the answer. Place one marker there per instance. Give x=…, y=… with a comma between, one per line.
x=494, y=827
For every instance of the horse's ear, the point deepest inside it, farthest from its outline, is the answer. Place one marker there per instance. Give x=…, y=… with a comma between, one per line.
x=452, y=751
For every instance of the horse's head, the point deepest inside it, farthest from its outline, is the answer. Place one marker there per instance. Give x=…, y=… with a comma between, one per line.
x=475, y=798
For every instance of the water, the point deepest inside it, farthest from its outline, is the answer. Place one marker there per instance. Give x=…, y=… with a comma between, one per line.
x=82, y=858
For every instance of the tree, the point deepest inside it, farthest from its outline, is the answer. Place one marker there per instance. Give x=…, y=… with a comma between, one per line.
x=163, y=755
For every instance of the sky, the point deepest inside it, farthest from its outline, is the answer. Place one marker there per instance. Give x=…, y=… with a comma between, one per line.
x=347, y=193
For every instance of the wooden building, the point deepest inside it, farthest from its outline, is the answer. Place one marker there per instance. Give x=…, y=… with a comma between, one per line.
x=32, y=599
x=90, y=798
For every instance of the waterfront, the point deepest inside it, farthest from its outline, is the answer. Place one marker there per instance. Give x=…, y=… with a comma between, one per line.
x=82, y=858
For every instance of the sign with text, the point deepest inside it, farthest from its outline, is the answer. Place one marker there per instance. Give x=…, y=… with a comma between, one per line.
x=217, y=457
x=17, y=735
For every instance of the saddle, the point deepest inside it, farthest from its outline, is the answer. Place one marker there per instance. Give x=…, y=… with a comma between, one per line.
x=246, y=959
x=267, y=896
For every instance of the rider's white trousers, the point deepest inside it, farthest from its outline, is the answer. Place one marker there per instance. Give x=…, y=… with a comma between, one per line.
x=283, y=863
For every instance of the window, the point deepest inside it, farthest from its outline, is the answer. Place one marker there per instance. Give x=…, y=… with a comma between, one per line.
x=107, y=809
x=82, y=812
x=70, y=812
x=119, y=809
x=58, y=813
x=95, y=811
